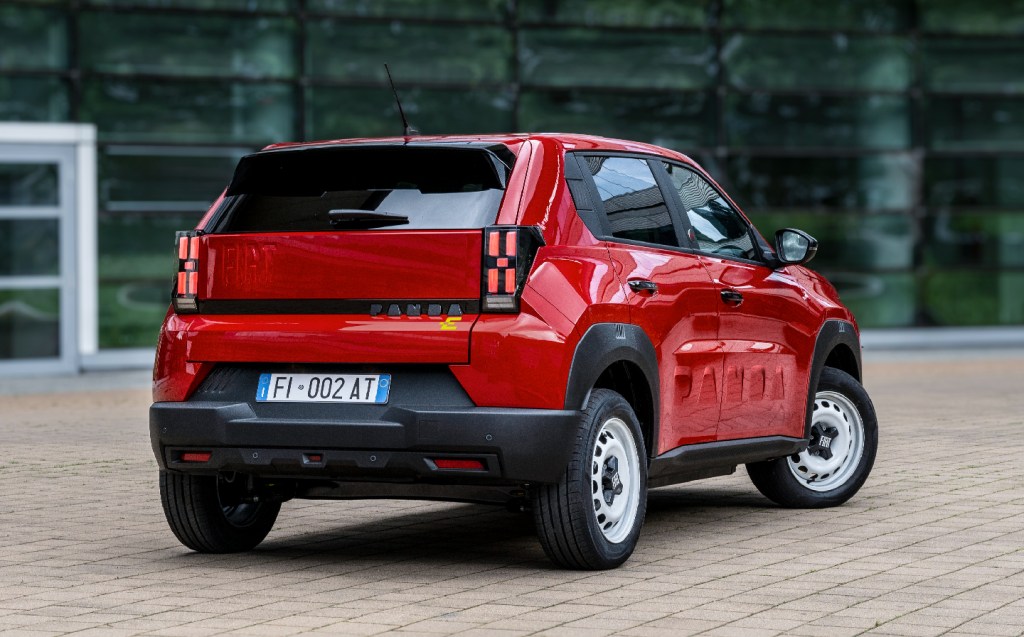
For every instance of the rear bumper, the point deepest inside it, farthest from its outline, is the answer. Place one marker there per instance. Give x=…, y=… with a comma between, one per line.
x=513, y=445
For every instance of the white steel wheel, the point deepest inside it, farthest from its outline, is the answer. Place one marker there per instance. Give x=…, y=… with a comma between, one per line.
x=591, y=518
x=615, y=480
x=836, y=445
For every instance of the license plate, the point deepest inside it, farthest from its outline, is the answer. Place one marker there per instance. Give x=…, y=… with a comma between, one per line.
x=324, y=388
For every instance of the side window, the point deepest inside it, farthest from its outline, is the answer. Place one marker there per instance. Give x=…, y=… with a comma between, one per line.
x=633, y=202
x=717, y=228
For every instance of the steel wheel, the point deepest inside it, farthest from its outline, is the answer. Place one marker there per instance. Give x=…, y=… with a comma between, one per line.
x=836, y=447
x=615, y=485
x=591, y=518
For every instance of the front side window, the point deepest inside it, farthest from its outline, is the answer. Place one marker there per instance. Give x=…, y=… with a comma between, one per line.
x=716, y=227
x=633, y=202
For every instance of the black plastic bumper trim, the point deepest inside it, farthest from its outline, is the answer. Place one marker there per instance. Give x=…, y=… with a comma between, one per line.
x=522, y=445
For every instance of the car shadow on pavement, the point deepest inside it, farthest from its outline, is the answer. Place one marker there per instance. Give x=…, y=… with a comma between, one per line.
x=478, y=534
x=463, y=533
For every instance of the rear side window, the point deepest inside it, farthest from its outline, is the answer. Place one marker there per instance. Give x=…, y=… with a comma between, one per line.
x=632, y=200
x=370, y=187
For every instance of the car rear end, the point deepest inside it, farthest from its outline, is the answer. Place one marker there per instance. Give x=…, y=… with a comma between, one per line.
x=319, y=311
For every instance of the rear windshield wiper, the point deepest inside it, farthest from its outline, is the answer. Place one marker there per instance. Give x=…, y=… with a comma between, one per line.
x=355, y=218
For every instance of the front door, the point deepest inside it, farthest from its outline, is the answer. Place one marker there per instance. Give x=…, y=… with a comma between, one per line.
x=765, y=325
x=37, y=283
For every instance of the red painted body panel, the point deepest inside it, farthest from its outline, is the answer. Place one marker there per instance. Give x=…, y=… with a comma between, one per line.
x=325, y=338
x=768, y=342
x=175, y=377
x=394, y=264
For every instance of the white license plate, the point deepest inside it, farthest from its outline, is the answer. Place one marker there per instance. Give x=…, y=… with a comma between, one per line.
x=324, y=388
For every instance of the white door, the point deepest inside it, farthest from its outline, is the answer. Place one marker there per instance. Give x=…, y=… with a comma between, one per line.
x=37, y=259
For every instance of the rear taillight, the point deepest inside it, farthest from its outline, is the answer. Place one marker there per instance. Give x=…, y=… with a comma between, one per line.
x=187, y=283
x=508, y=256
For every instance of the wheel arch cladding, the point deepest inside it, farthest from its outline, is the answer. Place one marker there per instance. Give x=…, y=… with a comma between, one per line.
x=620, y=357
x=837, y=346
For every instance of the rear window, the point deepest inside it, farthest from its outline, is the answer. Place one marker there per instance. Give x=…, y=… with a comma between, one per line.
x=365, y=187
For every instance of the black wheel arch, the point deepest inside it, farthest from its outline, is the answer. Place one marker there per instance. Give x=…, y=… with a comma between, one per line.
x=612, y=355
x=837, y=346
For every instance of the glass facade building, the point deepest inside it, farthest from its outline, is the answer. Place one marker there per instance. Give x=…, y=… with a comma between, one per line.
x=892, y=130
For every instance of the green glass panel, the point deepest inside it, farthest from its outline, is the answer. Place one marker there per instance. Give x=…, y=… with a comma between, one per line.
x=371, y=112
x=29, y=324
x=33, y=38
x=873, y=182
x=136, y=267
x=989, y=239
x=677, y=120
x=233, y=5
x=652, y=13
x=153, y=43
x=971, y=16
x=29, y=247
x=848, y=241
x=153, y=178
x=816, y=121
x=870, y=15
x=964, y=297
x=131, y=312
x=417, y=53
x=199, y=112
x=825, y=61
x=974, y=181
x=976, y=123
x=440, y=9
x=974, y=65
x=877, y=299
x=584, y=57
x=140, y=246
x=33, y=99
x=25, y=184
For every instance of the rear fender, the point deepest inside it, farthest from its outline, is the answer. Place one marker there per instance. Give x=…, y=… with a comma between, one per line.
x=602, y=345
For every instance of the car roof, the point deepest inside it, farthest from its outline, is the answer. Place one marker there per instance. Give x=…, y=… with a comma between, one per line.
x=566, y=141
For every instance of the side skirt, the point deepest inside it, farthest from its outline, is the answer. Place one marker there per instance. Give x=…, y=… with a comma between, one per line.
x=709, y=459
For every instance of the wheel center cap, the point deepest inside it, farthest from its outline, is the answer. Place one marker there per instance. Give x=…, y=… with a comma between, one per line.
x=611, y=483
x=821, y=441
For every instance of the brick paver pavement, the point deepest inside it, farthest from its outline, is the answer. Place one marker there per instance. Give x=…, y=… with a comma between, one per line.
x=933, y=544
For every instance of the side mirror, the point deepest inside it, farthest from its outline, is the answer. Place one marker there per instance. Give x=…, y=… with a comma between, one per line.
x=794, y=247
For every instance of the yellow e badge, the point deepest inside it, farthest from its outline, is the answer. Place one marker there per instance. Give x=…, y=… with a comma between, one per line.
x=449, y=323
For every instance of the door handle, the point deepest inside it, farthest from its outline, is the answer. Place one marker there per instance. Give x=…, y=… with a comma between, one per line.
x=732, y=297
x=643, y=286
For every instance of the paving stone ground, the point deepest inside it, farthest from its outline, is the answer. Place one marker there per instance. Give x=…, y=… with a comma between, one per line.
x=933, y=544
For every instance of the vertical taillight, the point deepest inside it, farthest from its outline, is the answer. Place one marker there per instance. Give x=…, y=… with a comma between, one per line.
x=186, y=285
x=508, y=256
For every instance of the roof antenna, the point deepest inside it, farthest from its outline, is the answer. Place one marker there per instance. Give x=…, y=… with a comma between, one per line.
x=409, y=130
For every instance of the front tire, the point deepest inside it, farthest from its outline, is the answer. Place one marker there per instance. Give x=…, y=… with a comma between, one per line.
x=211, y=514
x=591, y=518
x=840, y=453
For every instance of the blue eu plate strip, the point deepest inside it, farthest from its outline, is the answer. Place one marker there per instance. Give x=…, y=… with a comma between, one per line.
x=264, y=387
x=383, y=386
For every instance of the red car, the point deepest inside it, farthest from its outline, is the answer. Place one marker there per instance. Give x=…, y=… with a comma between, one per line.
x=556, y=322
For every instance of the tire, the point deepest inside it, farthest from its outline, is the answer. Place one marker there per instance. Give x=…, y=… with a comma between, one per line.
x=591, y=519
x=829, y=474
x=207, y=513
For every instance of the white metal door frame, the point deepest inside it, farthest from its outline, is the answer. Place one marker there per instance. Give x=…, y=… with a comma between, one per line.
x=72, y=147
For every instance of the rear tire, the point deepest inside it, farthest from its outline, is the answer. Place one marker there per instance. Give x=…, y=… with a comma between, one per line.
x=209, y=514
x=844, y=439
x=591, y=518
